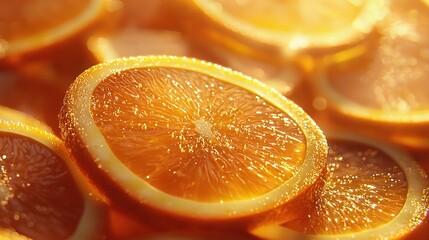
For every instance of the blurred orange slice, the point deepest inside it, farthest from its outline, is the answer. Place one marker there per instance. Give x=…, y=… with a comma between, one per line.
x=131, y=41
x=35, y=24
x=387, y=85
x=373, y=191
x=192, y=142
x=293, y=26
x=42, y=194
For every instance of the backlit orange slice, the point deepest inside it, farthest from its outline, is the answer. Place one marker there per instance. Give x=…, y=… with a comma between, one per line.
x=388, y=84
x=190, y=141
x=295, y=25
x=35, y=24
x=42, y=194
x=372, y=191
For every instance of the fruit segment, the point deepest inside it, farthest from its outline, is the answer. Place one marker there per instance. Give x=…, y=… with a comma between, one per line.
x=372, y=190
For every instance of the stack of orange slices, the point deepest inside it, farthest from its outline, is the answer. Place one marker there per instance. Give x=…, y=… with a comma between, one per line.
x=179, y=142
x=178, y=138
x=42, y=193
x=154, y=146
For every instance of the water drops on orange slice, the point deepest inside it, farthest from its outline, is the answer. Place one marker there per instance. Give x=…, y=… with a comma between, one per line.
x=372, y=191
x=189, y=141
x=42, y=194
x=11, y=115
x=294, y=26
x=37, y=24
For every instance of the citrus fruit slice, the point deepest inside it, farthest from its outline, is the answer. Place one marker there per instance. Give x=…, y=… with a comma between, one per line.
x=373, y=191
x=387, y=85
x=295, y=25
x=37, y=24
x=192, y=141
x=42, y=194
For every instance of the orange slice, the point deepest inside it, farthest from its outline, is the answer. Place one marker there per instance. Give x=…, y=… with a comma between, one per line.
x=37, y=24
x=373, y=191
x=42, y=194
x=293, y=26
x=387, y=85
x=192, y=142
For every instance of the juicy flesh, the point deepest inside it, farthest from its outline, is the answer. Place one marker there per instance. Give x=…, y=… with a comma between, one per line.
x=364, y=189
x=20, y=19
x=292, y=16
x=195, y=136
x=38, y=197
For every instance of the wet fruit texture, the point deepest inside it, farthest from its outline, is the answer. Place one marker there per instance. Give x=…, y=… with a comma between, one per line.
x=39, y=198
x=364, y=189
x=209, y=139
x=372, y=191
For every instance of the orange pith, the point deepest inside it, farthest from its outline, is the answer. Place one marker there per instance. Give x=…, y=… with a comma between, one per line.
x=39, y=198
x=194, y=136
x=364, y=189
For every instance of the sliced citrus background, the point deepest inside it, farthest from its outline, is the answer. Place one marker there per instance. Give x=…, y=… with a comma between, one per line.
x=296, y=25
x=37, y=23
x=389, y=82
x=373, y=191
x=281, y=75
x=131, y=41
x=42, y=194
x=386, y=86
x=32, y=95
x=181, y=138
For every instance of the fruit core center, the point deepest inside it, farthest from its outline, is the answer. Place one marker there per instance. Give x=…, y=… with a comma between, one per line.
x=204, y=128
